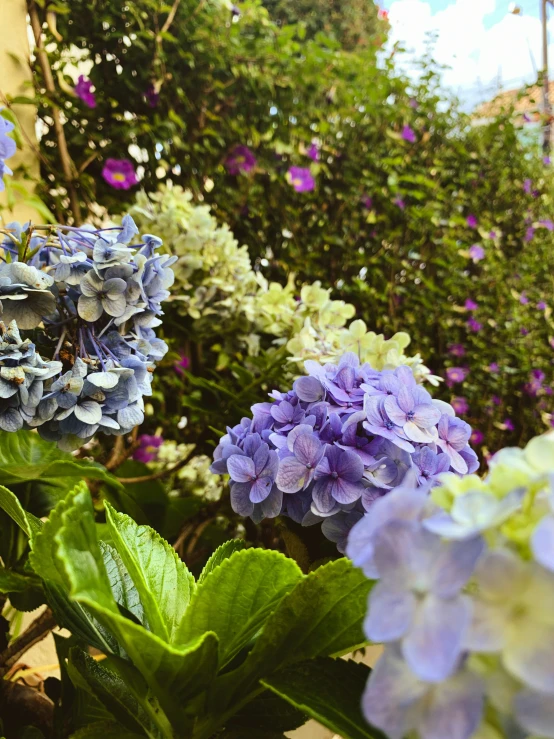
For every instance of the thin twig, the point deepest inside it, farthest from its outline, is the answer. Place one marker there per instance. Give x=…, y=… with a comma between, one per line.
x=170, y=18
x=156, y=475
x=67, y=165
x=36, y=632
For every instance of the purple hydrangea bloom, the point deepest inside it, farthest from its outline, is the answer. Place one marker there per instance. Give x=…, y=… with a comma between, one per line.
x=241, y=159
x=83, y=90
x=453, y=438
x=345, y=436
x=301, y=179
x=120, y=174
x=7, y=148
x=252, y=473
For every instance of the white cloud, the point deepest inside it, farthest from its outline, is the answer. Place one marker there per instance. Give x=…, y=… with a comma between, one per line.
x=479, y=57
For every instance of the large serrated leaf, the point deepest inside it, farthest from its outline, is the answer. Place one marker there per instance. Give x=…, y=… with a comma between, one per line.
x=162, y=580
x=330, y=691
x=173, y=674
x=13, y=582
x=9, y=502
x=123, y=589
x=220, y=555
x=322, y=616
x=236, y=598
x=114, y=693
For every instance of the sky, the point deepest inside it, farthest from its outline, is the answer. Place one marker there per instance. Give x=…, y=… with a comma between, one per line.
x=486, y=47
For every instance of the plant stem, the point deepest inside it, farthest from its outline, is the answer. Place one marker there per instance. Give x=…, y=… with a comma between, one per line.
x=156, y=475
x=36, y=632
x=67, y=165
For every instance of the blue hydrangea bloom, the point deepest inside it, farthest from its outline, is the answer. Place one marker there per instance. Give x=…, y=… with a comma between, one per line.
x=345, y=436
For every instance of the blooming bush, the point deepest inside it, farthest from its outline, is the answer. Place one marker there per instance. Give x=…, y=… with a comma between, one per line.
x=93, y=303
x=464, y=601
x=343, y=437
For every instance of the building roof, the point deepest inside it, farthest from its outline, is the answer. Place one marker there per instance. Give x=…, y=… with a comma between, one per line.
x=526, y=100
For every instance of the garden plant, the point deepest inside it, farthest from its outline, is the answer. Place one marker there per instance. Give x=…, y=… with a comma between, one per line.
x=276, y=383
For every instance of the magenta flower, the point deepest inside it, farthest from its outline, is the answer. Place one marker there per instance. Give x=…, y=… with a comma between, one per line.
x=241, y=159
x=301, y=179
x=367, y=202
x=455, y=375
x=524, y=331
x=541, y=305
x=474, y=325
x=523, y=299
x=496, y=400
x=476, y=437
x=182, y=365
x=313, y=152
x=508, y=424
x=470, y=304
x=83, y=90
x=120, y=174
x=457, y=350
x=148, y=448
x=476, y=252
x=152, y=97
x=493, y=367
x=399, y=202
x=460, y=405
x=408, y=134
x=471, y=221
x=529, y=234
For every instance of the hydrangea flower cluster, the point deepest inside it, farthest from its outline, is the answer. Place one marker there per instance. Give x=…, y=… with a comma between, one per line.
x=92, y=302
x=7, y=148
x=464, y=602
x=343, y=437
x=214, y=276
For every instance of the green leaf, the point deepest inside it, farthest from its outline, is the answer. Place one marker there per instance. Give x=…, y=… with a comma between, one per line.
x=267, y=712
x=9, y=503
x=105, y=730
x=123, y=589
x=220, y=555
x=322, y=616
x=113, y=692
x=174, y=674
x=330, y=691
x=162, y=580
x=237, y=597
x=14, y=582
x=25, y=457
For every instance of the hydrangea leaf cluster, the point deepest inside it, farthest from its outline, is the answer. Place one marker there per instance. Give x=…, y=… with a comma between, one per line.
x=345, y=435
x=92, y=303
x=464, y=602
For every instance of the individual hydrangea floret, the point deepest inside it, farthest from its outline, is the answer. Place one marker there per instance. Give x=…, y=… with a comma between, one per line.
x=343, y=437
x=96, y=300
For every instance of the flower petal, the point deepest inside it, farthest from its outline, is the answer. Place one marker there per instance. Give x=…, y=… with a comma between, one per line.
x=390, y=613
x=535, y=712
x=542, y=543
x=88, y=412
x=291, y=476
x=240, y=468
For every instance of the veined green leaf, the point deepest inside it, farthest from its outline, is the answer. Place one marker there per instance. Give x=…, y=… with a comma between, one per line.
x=220, y=555
x=237, y=597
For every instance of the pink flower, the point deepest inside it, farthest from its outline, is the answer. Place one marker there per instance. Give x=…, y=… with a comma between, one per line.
x=367, y=202
x=470, y=304
x=476, y=252
x=457, y=350
x=476, y=437
x=120, y=174
x=541, y=305
x=83, y=90
x=313, y=152
x=471, y=221
x=399, y=202
x=241, y=159
x=182, y=365
x=493, y=367
x=524, y=331
x=523, y=299
x=408, y=134
x=301, y=179
x=496, y=400
x=460, y=405
x=148, y=448
x=474, y=325
x=508, y=424
x=455, y=375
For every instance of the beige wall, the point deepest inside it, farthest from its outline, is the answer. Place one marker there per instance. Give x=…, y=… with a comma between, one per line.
x=15, y=76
